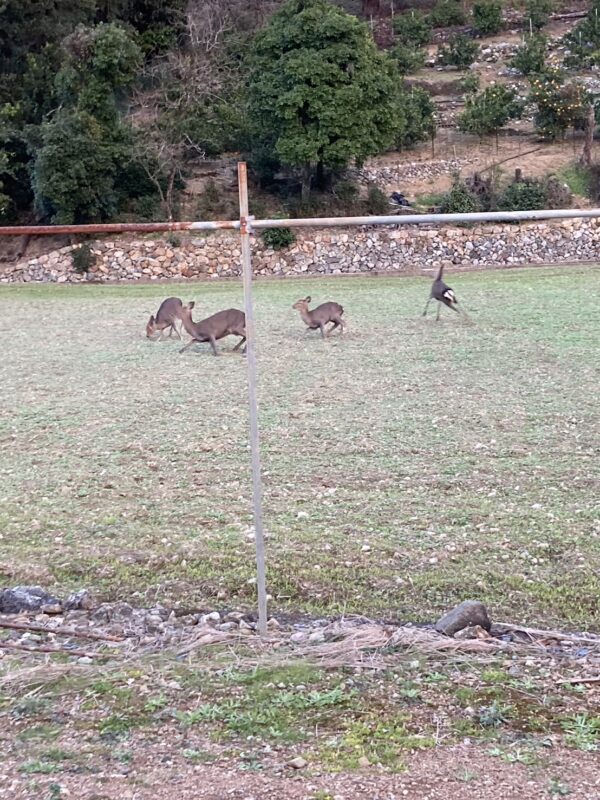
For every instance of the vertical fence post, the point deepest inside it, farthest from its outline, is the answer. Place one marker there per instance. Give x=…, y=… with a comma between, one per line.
x=251, y=363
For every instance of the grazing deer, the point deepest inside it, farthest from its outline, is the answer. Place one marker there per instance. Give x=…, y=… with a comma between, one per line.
x=166, y=316
x=231, y=322
x=321, y=315
x=441, y=292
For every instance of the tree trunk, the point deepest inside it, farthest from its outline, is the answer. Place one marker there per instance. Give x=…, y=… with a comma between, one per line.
x=590, y=125
x=306, y=183
x=321, y=178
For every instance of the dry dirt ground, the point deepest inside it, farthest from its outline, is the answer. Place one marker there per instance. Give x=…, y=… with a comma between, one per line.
x=462, y=772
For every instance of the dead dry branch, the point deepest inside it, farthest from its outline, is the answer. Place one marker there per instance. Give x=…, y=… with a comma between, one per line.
x=59, y=631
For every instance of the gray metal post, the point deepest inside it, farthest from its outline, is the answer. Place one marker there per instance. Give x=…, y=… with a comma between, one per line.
x=251, y=363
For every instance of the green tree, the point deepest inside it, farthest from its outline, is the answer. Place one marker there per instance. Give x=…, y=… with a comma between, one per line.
x=488, y=111
x=99, y=63
x=537, y=13
x=558, y=105
x=412, y=29
x=416, y=117
x=320, y=94
x=530, y=58
x=460, y=52
x=76, y=169
x=487, y=18
x=408, y=59
x=84, y=147
x=445, y=14
x=28, y=26
x=4, y=198
x=583, y=42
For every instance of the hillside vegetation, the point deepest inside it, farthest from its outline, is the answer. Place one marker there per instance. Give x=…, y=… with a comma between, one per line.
x=108, y=109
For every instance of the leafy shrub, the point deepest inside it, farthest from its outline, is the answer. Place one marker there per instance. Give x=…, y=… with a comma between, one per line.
x=487, y=18
x=459, y=200
x=583, y=41
x=483, y=189
x=530, y=58
x=278, y=238
x=408, y=59
x=537, y=13
x=82, y=258
x=377, y=202
x=412, y=29
x=524, y=195
x=461, y=52
x=558, y=106
x=445, y=14
x=558, y=194
x=213, y=203
x=146, y=207
x=173, y=240
x=470, y=83
x=347, y=192
x=489, y=110
x=415, y=117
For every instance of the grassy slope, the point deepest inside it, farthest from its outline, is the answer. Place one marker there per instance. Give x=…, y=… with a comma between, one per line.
x=464, y=458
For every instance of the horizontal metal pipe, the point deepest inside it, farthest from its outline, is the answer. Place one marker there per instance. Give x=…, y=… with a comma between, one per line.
x=314, y=222
x=118, y=227
x=420, y=219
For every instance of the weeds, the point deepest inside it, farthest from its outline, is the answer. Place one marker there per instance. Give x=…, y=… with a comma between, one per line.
x=582, y=732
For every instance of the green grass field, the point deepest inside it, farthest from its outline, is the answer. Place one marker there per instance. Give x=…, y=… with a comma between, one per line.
x=407, y=465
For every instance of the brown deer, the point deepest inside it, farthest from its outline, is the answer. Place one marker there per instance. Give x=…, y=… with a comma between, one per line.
x=321, y=315
x=166, y=316
x=231, y=322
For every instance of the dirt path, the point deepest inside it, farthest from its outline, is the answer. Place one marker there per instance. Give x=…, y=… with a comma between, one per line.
x=454, y=773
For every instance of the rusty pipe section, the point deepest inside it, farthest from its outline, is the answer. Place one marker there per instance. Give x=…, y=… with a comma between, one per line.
x=249, y=224
x=118, y=227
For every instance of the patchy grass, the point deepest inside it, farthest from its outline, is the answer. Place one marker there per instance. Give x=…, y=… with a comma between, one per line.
x=407, y=465
x=258, y=718
x=577, y=178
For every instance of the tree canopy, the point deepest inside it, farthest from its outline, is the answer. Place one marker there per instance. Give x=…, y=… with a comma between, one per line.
x=320, y=94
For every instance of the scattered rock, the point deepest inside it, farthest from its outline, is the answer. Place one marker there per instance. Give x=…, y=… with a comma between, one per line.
x=297, y=763
x=214, y=616
x=363, y=762
x=28, y=598
x=473, y=632
x=79, y=601
x=468, y=614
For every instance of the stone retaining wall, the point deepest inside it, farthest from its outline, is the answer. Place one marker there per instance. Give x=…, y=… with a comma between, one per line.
x=405, y=249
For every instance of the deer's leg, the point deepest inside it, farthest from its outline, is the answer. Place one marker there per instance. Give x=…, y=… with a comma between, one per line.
x=334, y=325
x=427, y=306
x=439, y=308
x=240, y=343
x=189, y=344
x=322, y=327
x=213, y=344
x=177, y=332
x=338, y=324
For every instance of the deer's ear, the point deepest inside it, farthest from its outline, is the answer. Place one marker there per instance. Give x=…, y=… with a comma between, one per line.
x=151, y=320
x=191, y=304
x=308, y=299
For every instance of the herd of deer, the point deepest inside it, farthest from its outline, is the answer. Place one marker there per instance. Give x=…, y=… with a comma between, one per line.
x=232, y=321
